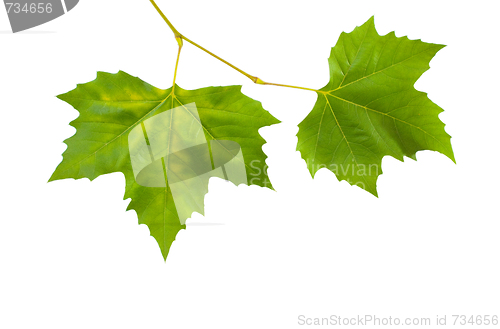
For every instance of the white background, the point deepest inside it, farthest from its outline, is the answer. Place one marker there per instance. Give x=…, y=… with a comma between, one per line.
x=72, y=257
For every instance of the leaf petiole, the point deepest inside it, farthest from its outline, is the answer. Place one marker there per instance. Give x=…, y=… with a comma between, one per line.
x=288, y=86
x=176, y=65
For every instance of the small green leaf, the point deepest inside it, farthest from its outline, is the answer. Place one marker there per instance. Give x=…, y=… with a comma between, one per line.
x=114, y=104
x=370, y=109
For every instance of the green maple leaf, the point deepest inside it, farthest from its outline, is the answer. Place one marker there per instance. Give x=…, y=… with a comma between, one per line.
x=113, y=105
x=370, y=109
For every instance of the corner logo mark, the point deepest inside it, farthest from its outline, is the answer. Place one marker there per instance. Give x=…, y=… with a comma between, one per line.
x=171, y=146
x=24, y=15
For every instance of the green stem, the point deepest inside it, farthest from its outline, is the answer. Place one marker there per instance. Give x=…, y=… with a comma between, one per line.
x=288, y=86
x=176, y=66
x=176, y=33
x=179, y=37
x=251, y=77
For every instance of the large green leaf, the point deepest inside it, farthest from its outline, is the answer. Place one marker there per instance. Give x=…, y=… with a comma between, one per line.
x=370, y=109
x=114, y=104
